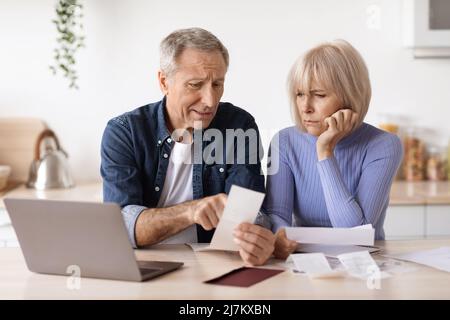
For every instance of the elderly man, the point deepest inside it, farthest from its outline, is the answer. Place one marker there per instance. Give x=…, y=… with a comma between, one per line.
x=171, y=185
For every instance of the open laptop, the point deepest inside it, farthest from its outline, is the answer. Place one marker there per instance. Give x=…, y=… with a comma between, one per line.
x=58, y=236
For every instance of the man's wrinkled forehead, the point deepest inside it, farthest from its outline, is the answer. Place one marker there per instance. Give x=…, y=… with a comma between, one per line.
x=201, y=68
x=194, y=57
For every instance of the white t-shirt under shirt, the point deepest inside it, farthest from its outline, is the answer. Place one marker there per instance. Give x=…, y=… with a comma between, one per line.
x=178, y=187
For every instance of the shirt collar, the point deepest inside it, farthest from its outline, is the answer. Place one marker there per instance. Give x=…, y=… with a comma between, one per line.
x=162, y=131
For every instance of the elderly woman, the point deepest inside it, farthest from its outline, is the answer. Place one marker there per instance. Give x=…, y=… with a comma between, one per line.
x=333, y=169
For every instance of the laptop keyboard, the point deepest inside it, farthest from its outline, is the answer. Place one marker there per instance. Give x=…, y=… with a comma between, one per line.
x=147, y=268
x=145, y=271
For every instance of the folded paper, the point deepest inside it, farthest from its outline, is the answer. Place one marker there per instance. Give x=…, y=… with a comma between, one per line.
x=363, y=235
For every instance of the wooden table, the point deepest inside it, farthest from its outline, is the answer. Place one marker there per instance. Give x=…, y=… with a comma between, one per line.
x=16, y=282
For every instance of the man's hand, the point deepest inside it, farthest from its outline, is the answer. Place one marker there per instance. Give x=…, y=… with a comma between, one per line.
x=207, y=211
x=283, y=246
x=256, y=243
x=339, y=125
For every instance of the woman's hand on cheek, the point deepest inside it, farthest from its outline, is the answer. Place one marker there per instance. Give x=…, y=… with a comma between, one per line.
x=339, y=124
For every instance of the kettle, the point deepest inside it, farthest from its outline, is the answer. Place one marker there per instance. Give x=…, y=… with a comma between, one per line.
x=49, y=168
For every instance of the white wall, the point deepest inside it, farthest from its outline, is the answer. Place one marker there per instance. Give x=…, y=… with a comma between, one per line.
x=118, y=67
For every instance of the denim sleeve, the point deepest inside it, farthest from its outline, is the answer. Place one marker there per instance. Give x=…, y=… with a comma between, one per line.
x=263, y=220
x=121, y=179
x=130, y=215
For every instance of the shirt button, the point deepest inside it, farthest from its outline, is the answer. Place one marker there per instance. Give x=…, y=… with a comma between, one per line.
x=159, y=142
x=156, y=188
x=221, y=170
x=169, y=140
x=165, y=155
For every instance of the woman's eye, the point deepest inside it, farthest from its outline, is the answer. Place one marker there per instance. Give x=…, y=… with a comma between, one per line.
x=320, y=95
x=300, y=94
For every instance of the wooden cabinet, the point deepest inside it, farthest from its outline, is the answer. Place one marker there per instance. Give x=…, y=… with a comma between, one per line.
x=17, y=145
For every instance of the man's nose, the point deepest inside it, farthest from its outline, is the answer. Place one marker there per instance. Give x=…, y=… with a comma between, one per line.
x=209, y=96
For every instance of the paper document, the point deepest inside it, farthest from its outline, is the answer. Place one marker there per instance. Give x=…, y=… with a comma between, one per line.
x=332, y=251
x=198, y=246
x=361, y=265
x=362, y=235
x=356, y=264
x=242, y=206
x=315, y=265
x=436, y=258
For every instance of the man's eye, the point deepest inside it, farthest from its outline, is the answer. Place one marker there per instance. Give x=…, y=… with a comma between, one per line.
x=194, y=85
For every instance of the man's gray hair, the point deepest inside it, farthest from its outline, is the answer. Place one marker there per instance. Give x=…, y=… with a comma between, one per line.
x=195, y=38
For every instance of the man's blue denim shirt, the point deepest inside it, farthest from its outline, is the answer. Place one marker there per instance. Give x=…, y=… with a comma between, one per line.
x=135, y=153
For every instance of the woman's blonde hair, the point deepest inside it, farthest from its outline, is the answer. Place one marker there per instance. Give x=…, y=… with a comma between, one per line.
x=337, y=66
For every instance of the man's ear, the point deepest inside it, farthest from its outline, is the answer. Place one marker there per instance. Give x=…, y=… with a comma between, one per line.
x=163, y=82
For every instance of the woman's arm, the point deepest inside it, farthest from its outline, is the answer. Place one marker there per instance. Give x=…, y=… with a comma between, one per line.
x=372, y=194
x=279, y=201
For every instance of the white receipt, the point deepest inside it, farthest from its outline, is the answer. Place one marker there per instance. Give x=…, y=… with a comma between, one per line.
x=315, y=265
x=360, y=264
x=242, y=206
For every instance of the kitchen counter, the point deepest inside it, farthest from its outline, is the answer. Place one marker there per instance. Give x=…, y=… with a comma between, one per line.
x=402, y=193
x=420, y=193
x=417, y=210
x=86, y=191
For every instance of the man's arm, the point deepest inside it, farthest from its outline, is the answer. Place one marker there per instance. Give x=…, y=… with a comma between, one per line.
x=156, y=224
x=122, y=185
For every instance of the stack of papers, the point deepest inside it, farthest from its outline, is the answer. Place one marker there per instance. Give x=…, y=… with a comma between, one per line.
x=332, y=251
x=362, y=235
x=333, y=241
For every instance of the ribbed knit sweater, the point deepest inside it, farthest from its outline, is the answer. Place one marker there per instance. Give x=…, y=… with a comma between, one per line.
x=348, y=189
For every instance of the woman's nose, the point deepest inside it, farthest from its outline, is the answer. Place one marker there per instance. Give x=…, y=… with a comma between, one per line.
x=305, y=105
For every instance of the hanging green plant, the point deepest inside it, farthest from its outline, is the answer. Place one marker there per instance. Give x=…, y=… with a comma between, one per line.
x=69, y=14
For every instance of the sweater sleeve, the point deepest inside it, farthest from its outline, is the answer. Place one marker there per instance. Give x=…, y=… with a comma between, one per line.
x=372, y=193
x=279, y=201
